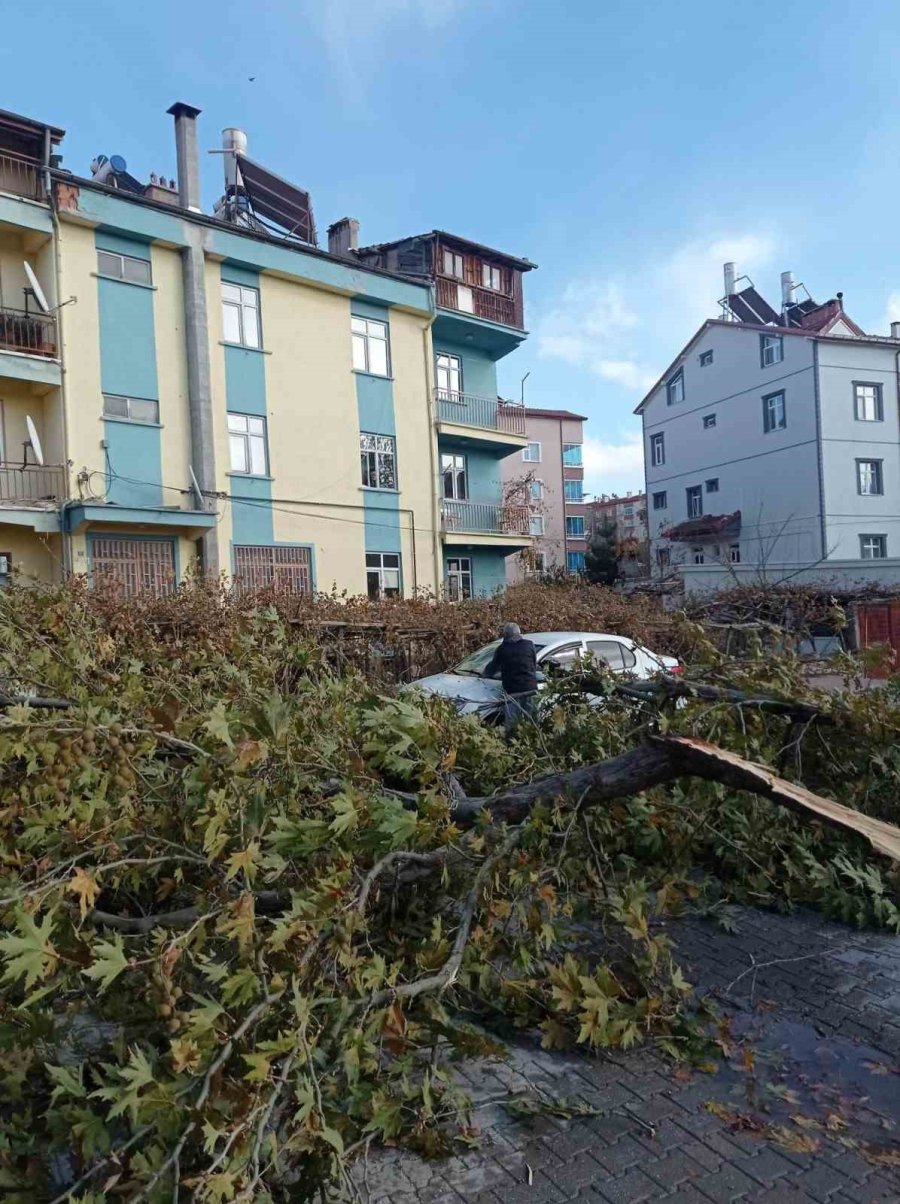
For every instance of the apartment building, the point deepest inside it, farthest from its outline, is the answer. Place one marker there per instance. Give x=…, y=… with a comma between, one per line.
x=479, y=320
x=627, y=515
x=183, y=391
x=549, y=475
x=773, y=441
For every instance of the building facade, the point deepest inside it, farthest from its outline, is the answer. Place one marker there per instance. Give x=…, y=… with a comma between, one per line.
x=206, y=394
x=548, y=474
x=627, y=516
x=775, y=444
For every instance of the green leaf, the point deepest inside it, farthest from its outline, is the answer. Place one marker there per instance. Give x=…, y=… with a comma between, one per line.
x=334, y=1139
x=30, y=953
x=217, y=724
x=109, y=962
x=68, y=1082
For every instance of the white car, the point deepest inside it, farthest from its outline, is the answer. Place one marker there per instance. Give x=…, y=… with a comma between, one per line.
x=563, y=651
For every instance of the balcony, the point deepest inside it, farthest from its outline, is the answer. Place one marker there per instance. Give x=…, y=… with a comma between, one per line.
x=28, y=334
x=463, y=520
x=491, y=420
x=466, y=296
x=33, y=484
x=20, y=176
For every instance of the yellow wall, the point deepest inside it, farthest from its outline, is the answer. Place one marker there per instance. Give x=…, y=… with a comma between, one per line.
x=171, y=368
x=34, y=556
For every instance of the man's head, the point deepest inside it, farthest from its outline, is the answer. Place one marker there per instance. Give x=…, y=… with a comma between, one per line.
x=512, y=631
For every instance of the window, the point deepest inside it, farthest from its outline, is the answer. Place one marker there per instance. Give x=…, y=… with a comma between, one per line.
x=575, y=526
x=453, y=265
x=247, y=439
x=694, y=501
x=370, y=346
x=575, y=562
x=382, y=575
x=873, y=547
x=657, y=450
x=868, y=478
x=774, y=414
x=537, y=491
x=712, y=485
x=378, y=458
x=532, y=453
x=572, y=455
x=697, y=554
x=240, y=315
x=123, y=267
x=771, y=349
x=131, y=409
x=574, y=491
x=137, y=566
x=867, y=402
x=565, y=659
x=448, y=376
x=709, y=421
x=537, y=562
x=286, y=569
x=706, y=358
x=675, y=388
x=491, y=277
x=663, y=557
x=5, y=569
x=660, y=500
x=614, y=654
x=629, y=511
x=536, y=524
x=456, y=480
x=734, y=553
x=459, y=578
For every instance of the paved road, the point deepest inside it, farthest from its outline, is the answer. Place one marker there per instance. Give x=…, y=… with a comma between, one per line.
x=803, y=1112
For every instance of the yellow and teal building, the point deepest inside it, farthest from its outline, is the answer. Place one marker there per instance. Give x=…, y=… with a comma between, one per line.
x=181, y=392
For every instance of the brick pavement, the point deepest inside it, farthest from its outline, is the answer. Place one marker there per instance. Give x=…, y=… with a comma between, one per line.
x=818, y=1006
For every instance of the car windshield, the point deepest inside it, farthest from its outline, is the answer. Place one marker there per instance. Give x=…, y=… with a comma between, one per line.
x=477, y=662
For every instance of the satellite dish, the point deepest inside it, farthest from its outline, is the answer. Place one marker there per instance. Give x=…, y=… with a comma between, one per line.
x=34, y=439
x=35, y=288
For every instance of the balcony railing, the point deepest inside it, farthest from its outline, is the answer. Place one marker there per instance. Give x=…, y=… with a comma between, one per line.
x=32, y=484
x=485, y=518
x=34, y=334
x=20, y=176
x=488, y=413
x=482, y=302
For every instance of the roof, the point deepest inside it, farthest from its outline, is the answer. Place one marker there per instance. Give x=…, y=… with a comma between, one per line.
x=707, y=524
x=876, y=339
x=617, y=501
x=524, y=265
x=28, y=125
x=539, y=413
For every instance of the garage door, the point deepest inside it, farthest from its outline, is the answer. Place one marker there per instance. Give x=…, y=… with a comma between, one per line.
x=137, y=566
x=879, y=626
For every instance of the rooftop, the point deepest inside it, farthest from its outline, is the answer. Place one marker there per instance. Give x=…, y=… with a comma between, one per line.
x=541, y=413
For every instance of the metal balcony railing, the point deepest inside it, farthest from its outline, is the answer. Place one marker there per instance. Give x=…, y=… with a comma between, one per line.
x=487, y=413
x=20, y=176
x=34, y=483
x=485, y=518
x=33, y=334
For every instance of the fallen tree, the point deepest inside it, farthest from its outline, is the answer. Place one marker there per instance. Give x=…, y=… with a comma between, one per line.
x=241, y=895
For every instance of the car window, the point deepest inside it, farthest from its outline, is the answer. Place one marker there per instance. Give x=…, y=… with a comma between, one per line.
x=477, y=662
x=616, y=655
x=565, y=659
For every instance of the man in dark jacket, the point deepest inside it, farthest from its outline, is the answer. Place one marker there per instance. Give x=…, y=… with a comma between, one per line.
x=516, y=662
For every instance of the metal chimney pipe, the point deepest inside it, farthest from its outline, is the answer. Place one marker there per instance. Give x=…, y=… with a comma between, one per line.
x=787, y=289
x=730, y=277
x=186, y=149
x=234, y=141
x=895, y=330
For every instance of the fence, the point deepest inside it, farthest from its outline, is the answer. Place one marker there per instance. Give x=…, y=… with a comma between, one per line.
x=489, y=413
x=488, y=518
x=20, y=176
x=33, y=483
x=35, y=334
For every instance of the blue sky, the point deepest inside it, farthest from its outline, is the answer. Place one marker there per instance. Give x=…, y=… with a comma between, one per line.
x=627, y=148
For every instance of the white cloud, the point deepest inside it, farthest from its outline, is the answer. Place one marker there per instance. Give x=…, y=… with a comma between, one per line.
x=353, y=31
x=892, y=310
x=627, y=331
x=615, y=466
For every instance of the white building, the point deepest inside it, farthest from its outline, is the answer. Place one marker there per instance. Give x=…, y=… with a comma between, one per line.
x=773, y=442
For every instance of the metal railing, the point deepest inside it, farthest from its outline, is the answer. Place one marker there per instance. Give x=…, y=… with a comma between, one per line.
x=33, y=483
x=487, y=518
x=487, y=413
x=20, y=176
x=34, y=334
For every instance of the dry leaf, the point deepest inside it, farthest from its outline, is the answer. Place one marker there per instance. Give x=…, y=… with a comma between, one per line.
x=84, y=886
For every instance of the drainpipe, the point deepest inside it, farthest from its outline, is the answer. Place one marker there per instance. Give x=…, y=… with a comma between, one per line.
x=65, y=536
x=196, y=326
x=432, y=445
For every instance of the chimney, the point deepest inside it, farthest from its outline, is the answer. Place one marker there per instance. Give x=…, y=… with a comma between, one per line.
x=343, y=237
x=730, y=277
x=895, y=330
x=787, y=289
x=186, y=149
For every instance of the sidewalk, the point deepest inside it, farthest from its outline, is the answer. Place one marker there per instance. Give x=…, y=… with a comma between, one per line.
x=805, y=1110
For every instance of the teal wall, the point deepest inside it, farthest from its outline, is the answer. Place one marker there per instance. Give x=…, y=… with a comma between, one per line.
x=488, y=568
x=251, y=510
x=128, y=368
x=483, y=468
x=478, y=369
x=375, y=411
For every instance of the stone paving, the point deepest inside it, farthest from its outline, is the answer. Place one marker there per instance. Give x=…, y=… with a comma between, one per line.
x=803, y=1110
